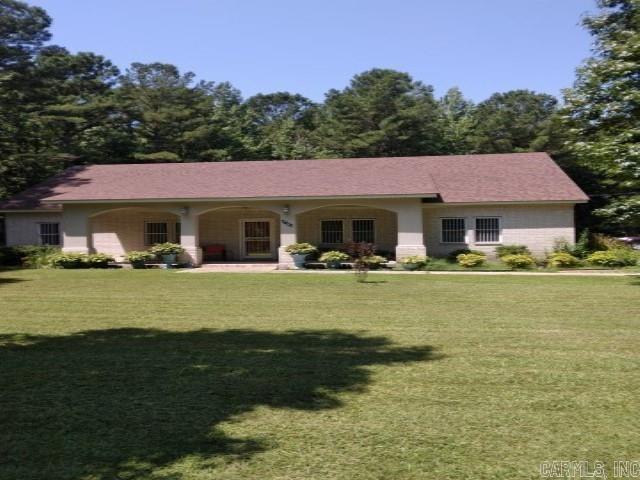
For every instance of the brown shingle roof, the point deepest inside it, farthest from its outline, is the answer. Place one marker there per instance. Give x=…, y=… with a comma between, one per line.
x=518, y=177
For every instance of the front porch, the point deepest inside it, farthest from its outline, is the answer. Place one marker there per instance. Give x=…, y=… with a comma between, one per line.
x=240, y=232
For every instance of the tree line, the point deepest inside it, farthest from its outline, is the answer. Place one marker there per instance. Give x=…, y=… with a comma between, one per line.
x=59, y=109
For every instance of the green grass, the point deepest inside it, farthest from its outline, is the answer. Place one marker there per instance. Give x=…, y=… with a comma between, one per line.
x=169, y=376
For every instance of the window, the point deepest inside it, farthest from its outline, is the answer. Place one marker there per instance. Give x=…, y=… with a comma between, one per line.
x=364, y=231
x=155, y=232
x=331, y=231
x=453, y=230
x=487, y=230
x=49, y=233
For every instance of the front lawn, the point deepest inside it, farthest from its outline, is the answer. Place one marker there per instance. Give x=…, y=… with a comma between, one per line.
x=170, y=376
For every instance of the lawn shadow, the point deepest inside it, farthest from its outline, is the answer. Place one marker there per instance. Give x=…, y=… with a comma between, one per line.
x=5, y=280
x=123, y=403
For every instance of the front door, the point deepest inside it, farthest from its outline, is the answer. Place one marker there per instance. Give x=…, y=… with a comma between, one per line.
x=257, y=238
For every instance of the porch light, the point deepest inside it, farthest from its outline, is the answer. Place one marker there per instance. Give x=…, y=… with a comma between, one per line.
x=285, y=209
x=184, y=211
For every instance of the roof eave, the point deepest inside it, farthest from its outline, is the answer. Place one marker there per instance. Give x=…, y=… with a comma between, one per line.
x=238, y=199
x=507, y=202
x=31, y=210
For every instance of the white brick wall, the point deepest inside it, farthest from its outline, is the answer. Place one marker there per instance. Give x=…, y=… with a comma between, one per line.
x=121, y=231
x=22, y=228
x=536, y=226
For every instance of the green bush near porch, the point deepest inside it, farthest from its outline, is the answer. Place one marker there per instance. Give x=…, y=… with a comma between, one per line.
x=521, y=260
x=72, y=260
x=470, y=260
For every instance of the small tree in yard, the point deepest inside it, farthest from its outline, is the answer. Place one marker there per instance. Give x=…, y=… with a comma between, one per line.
x=361, y=252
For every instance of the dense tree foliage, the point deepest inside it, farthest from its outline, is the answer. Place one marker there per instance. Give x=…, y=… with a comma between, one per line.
x=381, y=113
x=515, y=121
x=603, y=110
x=279, y=126
x=58, y=109
x=457, y=113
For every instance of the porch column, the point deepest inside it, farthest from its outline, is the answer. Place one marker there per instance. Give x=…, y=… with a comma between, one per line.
x=190, y=237
x=288, y=235
x=75, y=230
x=410, y=230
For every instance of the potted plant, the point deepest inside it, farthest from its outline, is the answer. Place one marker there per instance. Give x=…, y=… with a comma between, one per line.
x=138, y=259
x=168, y=251
x=334, y=258
x=414, y=262
x=299, y=252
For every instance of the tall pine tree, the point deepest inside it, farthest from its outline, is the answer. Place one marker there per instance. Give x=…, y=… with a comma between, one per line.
x=603, y=110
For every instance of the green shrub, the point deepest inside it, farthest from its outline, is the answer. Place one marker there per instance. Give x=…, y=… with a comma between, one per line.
x=40, y=257
x=301, y=249
x=373, y=261
x=453, y=255
x=504, y=250
x=561, y=245
x=30, y=256
x=137, y=259
x=98, y=260
x=69, y=260
x=334, y=256
x=80, y=260
x=583, y=246
x=167, y=248
x=470, y=260
x=563, y=260
x=414, y=262
x=619, y=257
x=10, y=257
x=605, y=242
x=519, y=261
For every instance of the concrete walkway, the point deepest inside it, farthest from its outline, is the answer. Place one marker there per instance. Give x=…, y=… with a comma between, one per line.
x=272, y=268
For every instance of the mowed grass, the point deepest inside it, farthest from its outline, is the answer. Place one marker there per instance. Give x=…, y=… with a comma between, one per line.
x=165, y=375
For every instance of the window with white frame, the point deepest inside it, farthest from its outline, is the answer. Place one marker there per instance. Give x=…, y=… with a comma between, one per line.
x=331, y=231
x=363, y=230
x=49, y=233
x=453, y=230
x=155, y=232
x=487, y=230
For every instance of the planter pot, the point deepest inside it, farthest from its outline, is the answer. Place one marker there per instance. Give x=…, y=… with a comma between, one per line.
x=138, y=264
x=298, y=259
x=168, y=260
x=334, y=265
x=410, y=266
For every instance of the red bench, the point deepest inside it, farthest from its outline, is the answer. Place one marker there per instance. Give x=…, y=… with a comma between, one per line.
x=213, y=252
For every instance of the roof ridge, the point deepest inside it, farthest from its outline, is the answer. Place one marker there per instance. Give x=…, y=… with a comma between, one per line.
x=292, y=160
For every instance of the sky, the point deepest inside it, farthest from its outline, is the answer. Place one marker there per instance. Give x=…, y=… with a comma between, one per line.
x=309, y=47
